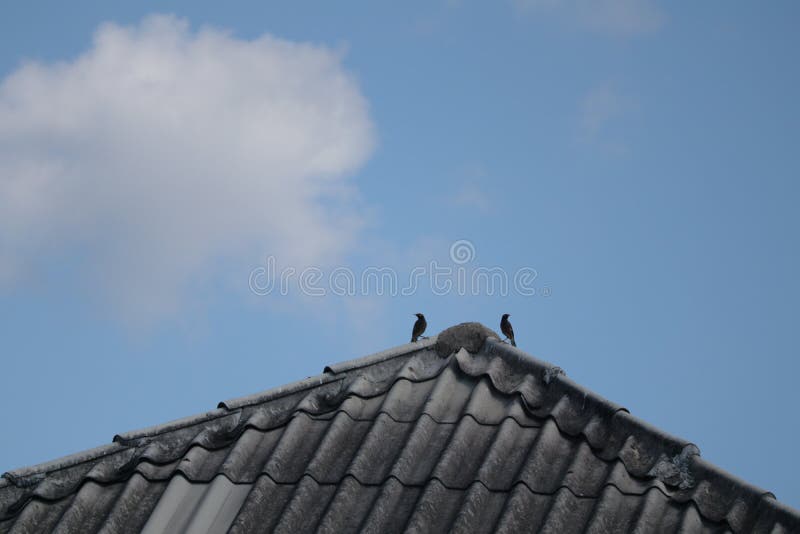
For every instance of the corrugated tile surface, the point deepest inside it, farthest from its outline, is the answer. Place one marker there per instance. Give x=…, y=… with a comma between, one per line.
x=409, y=440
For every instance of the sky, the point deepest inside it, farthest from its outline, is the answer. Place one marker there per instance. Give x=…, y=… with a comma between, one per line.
x=202, y=201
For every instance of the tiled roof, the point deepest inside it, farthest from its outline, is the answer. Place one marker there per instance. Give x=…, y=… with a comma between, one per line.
x=458, y=433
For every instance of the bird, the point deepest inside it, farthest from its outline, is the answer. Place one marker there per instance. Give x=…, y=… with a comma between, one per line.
x=419, y=327
x=508, y=331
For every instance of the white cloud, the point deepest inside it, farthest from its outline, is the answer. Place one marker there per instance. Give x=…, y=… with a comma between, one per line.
x=161, y=153
x=613, y=17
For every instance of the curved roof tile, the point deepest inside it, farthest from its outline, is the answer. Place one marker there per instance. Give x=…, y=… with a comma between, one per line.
x=460, y=432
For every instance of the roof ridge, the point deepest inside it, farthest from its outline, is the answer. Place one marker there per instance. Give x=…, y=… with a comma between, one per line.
x=382, y=356
x=678, y=465
x=329, y=374
x=551, y=374
x=124, y=440
x=23, y=476
x=644, y=450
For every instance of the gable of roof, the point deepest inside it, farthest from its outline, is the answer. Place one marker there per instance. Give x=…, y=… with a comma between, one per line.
x=456, y=433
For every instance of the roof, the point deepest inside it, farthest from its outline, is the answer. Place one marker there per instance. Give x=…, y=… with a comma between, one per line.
x=458, y=433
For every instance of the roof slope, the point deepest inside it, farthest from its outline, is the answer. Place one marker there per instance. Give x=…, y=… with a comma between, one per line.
x=458, y=433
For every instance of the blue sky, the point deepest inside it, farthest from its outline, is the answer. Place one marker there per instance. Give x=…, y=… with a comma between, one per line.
x=641, y=158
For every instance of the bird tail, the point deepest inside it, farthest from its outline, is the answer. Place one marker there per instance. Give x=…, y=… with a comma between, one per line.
x=513, y=343
x=413, y=339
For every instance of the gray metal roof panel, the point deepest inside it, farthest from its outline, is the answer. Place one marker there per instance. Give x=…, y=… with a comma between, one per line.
x=485, y=440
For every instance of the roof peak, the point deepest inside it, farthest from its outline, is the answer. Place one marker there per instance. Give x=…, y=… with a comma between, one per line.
x=473, y=374
x=470, y=336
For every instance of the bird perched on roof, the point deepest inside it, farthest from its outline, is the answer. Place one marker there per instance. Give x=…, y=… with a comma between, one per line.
x=419, y=327
x=508, y=331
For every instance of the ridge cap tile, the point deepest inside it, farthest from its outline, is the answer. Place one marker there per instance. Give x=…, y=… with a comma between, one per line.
x=406, y=349
x=136, y=436
x=15, y=476
x=331, y=373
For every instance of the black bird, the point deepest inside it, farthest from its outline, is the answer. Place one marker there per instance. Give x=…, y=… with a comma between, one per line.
x=505, y=327
x=419, y=327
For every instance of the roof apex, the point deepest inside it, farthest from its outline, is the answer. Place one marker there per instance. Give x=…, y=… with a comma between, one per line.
x=468, y=355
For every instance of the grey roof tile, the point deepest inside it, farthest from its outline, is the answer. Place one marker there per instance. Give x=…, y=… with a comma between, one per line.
x=457, y=433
